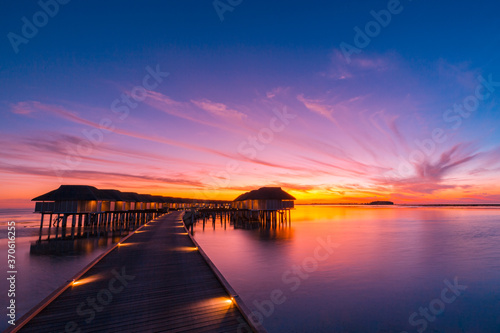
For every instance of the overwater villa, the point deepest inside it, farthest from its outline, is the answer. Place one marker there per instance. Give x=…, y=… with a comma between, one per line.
x=265, y=198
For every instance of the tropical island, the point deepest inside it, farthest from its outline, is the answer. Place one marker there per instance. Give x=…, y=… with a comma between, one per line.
x=381, y=203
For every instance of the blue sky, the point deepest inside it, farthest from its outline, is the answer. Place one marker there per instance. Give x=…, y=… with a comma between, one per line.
x=355, y=125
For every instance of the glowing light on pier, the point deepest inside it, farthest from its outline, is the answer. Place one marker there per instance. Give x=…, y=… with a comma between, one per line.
x=86, y=280
x=126, y=244
x=186, y=248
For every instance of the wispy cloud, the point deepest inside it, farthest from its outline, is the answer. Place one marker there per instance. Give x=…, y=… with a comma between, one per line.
x=74, y=117
x=97, y=175
x=57, y=110
x=22, y=108
x=448, y=161
x=219, y=109
x=216, y=115
x=318, y=107
x=169, y=106
x=432, y=176
x=339, y=69
x=278, y=91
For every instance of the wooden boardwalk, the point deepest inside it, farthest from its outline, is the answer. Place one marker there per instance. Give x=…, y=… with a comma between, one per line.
x=155, y=281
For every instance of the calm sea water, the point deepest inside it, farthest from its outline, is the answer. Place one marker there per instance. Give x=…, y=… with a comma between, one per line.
x=336, y=269
x=367, y=269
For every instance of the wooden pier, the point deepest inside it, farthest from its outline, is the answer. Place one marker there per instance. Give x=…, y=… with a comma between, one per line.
x=154, y=280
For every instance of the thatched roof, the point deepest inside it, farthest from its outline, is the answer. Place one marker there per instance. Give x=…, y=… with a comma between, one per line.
x=90, y=193
x=266, y=193
x=168, y=199
x=131, y=196
x=114, y=195
x=157, y=198
x=72, y=193
x=146, y=197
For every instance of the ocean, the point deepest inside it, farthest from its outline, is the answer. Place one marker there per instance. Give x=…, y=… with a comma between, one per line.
x=334, y=269
x=366, y=269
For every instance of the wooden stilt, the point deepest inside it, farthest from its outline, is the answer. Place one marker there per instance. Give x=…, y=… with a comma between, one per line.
x=79, y=233
x=63, y=225
x=99, y=224
x=41, y=228
x=73, y=225
x=57, y=226
x=50, y=225
x=87, y=224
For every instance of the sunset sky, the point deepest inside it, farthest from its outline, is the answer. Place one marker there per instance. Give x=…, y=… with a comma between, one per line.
x=164, y=97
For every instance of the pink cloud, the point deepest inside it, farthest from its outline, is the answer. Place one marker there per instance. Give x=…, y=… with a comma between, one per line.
x=219, y=109
x=96, y=175
x=449, y=160
x=279, y=91
x=228, y=120
x=23, y=108
x=318, y=107
x=57, y=110
x=74, y=117
x=171, y=107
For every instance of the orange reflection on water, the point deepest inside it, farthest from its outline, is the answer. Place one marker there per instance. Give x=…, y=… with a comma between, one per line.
x=280, y=233
x=340, y=212
x=359, y=240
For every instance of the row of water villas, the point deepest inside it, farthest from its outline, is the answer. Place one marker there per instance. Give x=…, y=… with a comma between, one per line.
x=79, y=211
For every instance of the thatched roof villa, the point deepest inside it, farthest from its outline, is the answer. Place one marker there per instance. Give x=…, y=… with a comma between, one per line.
x=265, y=198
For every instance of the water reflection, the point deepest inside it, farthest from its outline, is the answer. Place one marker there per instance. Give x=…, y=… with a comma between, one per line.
x=390, y=262
x=270, y=234
x=70, y=247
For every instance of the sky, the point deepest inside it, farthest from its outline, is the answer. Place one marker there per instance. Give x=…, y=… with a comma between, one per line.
x=334, y=101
